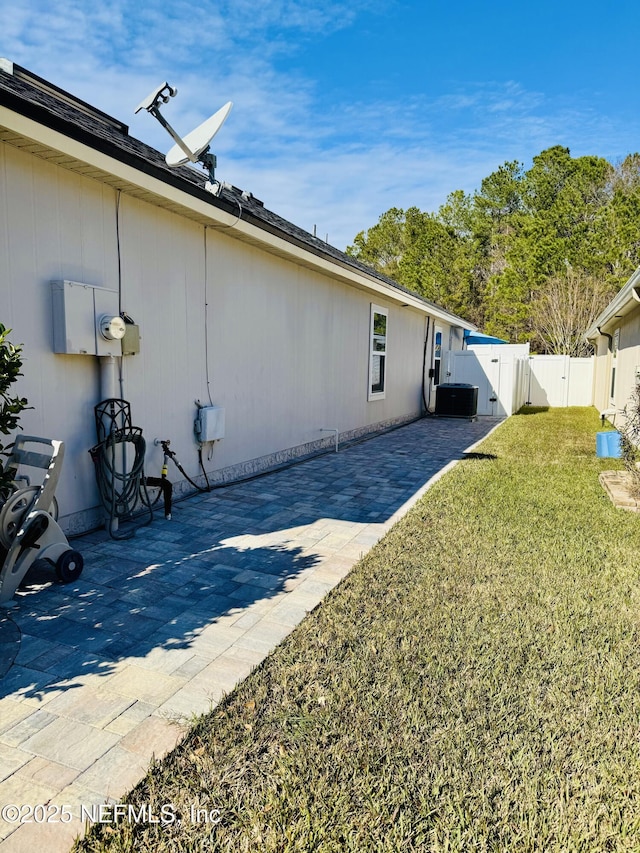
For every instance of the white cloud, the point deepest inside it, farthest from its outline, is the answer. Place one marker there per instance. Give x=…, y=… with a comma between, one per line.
x=133, y=34
x=339, y=166
x=343, y=191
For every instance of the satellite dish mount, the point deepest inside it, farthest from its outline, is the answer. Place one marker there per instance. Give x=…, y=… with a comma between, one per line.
x=194, y=148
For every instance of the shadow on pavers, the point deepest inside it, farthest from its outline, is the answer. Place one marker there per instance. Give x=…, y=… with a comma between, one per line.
x=9, y=643
x=223, y=551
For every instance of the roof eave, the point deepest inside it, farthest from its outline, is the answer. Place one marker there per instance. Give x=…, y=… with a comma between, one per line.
x=625, y=301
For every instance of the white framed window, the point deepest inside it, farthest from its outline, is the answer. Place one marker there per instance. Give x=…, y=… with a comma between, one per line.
x=437, y=355
x=378, y=353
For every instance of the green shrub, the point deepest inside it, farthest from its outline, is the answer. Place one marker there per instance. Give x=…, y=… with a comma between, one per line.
x=10, y=406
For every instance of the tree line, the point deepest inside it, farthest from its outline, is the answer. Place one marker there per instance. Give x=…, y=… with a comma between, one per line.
x=533, y=255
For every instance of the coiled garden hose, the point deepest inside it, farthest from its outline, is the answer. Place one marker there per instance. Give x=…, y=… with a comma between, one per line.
x=119, y=485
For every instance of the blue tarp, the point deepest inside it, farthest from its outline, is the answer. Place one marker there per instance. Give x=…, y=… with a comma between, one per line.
x=479, y=338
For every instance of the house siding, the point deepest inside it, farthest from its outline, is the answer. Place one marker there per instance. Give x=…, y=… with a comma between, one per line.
x=287, y=347
x=628, y=361
x=627, y=364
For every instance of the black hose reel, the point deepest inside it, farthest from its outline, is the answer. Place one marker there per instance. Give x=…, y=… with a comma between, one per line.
x=118, y=458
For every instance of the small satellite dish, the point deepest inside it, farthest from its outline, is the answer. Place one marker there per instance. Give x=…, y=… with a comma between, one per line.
x=194, y=147
x=198, y=140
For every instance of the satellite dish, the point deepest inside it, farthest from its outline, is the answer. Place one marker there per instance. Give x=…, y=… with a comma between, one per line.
x=194, y=147
x=161, y=93
x=198, y=140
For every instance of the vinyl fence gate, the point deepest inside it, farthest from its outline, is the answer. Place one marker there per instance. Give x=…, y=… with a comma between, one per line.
x=508, y=378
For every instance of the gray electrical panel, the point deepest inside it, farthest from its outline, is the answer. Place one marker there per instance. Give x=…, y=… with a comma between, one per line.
x=77, y=308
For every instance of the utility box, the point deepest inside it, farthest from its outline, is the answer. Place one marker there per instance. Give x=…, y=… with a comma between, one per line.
x=456, y=400
x=77, y=309
x=209, y=424
x=131, y=340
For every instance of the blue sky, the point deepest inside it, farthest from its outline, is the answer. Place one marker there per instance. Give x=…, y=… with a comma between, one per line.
x=343, y=110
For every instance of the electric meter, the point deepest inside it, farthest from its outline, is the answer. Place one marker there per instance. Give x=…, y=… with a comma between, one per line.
x=112, y=328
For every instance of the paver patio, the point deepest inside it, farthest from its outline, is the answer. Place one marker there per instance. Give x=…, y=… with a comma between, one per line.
x=109, y=670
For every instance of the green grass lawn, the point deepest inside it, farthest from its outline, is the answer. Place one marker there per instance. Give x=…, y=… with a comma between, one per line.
x=472, y=685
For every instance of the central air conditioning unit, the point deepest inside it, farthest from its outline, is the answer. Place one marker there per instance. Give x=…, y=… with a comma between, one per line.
x=456, y=400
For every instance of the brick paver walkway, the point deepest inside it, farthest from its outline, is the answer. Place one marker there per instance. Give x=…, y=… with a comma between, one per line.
x=109, y=670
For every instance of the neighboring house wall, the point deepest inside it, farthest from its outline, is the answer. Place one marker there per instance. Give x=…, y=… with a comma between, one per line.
x=287, y=347
x=625, y=363
x=628, y=358
x=616, y=338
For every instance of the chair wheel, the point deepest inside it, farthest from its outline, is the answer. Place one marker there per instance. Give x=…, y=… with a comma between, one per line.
x=69, y=566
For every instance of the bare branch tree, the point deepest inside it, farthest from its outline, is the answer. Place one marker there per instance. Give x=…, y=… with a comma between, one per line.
x=565, y=309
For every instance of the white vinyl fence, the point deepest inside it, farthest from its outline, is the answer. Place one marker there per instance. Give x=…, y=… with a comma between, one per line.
x=499, y=370
x=558, y=380
x=508, y=378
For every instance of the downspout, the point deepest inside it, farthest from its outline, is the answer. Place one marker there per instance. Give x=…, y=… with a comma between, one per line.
x=427, y=411
x=605, y=335
x=119, y=251
x=609, y=350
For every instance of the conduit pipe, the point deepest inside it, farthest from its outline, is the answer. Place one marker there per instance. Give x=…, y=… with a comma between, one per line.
x=108, y=378
x=336, y=434
x=109, y=391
